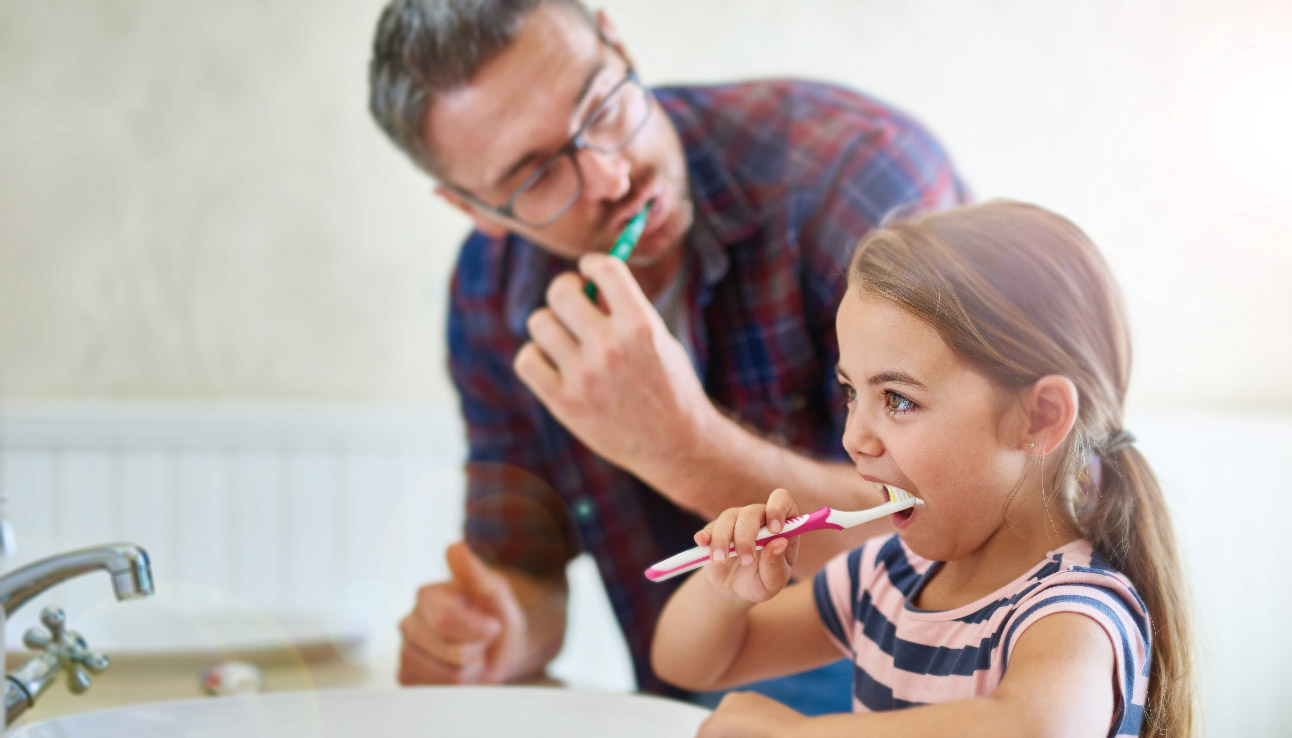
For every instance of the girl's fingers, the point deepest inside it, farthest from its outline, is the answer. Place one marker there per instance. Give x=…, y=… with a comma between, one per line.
x=720, y=531
x=774, y=567
x=780, y=507
x=748, y=523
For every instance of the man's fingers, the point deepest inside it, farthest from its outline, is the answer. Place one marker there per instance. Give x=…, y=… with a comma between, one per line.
x=487, y=588
x=537, y=372
x=418, y=667
x=566, y=299
x=442, y=646
x=551, y=336
x=615, y=283
x=447, y=615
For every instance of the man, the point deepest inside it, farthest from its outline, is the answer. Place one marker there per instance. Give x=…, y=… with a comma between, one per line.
x=702, y=378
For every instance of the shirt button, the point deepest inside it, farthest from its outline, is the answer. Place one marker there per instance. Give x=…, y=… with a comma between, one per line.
x=584, y=509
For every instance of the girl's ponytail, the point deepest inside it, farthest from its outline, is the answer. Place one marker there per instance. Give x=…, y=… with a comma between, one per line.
x=1129, y=524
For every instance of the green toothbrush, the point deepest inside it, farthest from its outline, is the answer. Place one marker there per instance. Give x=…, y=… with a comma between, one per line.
x=623, y=247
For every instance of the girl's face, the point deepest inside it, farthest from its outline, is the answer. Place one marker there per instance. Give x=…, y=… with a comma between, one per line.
x=923, y=419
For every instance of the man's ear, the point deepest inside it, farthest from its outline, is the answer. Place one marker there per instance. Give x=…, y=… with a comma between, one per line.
x=484, y=222
x=608, y=32
x=1052, y=404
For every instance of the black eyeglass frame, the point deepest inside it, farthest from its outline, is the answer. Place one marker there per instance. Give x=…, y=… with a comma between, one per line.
x=576, y=143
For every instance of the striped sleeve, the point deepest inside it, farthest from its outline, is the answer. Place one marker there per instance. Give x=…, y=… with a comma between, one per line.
x=1114, y=605
x=837, y=588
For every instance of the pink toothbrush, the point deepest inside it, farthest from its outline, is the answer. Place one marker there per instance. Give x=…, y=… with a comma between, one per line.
x=827, y=518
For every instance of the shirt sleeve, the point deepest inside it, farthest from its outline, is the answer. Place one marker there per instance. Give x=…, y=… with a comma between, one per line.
x=514, y=516
x=837, y=589
x=1114, y=605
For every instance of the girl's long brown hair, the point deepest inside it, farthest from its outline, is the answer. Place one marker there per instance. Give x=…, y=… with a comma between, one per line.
x=1022, y=293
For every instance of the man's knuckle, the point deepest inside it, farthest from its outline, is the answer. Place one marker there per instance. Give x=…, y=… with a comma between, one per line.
x=640, y=331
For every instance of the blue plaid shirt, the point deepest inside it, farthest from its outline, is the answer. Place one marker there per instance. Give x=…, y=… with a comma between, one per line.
x=786, y=177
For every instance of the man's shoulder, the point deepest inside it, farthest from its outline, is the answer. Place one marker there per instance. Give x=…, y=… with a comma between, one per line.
x=777, y=103
x=480, y=259
x=788, y=132
x=757, y=94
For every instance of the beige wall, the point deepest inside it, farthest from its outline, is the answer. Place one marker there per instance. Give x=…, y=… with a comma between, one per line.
x=194, y=204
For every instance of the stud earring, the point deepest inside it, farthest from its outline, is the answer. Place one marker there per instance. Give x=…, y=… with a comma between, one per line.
x=1032, y=444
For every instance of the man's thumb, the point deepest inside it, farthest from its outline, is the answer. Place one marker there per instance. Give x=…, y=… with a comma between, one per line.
x=482, y=584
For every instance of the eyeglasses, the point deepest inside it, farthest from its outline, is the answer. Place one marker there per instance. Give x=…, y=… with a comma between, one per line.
x=553, y=187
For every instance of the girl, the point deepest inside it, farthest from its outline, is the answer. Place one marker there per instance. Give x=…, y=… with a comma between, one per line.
x=1035, y=591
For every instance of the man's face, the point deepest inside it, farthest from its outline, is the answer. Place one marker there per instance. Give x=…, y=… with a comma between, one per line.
x=524, y=105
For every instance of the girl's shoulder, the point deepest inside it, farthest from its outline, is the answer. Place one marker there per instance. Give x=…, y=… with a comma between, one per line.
x=1076, y=578
x=1078, y=564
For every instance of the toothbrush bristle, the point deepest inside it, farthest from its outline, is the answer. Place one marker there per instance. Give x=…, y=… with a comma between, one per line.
x=896, y=494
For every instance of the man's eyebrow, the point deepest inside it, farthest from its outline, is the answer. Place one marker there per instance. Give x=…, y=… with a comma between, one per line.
x=896, y=377
x=529, y=156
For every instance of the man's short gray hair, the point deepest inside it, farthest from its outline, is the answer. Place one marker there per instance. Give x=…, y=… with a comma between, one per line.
x=424, y=48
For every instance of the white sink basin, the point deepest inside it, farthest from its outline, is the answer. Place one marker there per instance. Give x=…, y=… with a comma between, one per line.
x=456, y=712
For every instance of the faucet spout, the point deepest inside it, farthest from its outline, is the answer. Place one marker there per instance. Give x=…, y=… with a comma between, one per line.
x=126, y=563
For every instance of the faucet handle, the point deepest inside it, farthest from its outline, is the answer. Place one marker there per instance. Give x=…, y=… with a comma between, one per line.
x=68, y=646
x=55, y=620
x=82, y=662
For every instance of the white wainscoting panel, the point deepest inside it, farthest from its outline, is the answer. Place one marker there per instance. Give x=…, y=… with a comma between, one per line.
x=319, y=521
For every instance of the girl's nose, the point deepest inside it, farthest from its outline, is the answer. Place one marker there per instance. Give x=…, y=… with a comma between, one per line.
x=859, y=437
x=605, y=176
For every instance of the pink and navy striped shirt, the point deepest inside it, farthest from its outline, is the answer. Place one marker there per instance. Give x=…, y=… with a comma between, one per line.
x=906, y=656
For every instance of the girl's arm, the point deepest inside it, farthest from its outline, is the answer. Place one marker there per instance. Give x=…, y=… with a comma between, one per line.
x=1059, y=685
x=709, y=638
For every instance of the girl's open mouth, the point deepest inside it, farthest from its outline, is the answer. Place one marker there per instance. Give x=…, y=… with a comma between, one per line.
x=895, y=494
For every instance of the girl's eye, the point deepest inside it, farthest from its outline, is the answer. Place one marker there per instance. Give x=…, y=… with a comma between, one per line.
x=896, y=403
x=849, y=393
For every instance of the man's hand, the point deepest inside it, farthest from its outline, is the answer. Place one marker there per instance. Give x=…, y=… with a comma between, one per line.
x=615, y=377
x=470, y=630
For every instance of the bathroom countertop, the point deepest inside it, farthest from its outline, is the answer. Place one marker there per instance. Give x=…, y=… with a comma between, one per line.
x=134, y=679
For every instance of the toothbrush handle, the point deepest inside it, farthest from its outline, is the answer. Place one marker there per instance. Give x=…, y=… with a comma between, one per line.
x=696, y=557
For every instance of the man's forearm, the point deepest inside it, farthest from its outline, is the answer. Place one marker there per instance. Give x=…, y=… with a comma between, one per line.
x=544, y=603
x=728, y=466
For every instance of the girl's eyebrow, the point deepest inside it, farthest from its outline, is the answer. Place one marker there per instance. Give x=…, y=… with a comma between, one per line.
x=896, y=377
x=892, y=375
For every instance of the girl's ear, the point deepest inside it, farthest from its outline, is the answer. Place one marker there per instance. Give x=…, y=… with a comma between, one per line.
x=1052, y=404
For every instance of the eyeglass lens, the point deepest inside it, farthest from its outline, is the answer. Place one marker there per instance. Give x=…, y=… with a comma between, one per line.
x=551, y=190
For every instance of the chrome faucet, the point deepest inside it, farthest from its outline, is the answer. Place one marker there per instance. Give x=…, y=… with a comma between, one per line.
x=131, y=575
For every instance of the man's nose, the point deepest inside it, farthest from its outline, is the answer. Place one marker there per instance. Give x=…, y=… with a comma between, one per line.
x=605, y=176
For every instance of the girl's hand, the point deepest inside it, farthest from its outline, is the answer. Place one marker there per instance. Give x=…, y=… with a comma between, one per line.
x=751, y=715
x=754, y=576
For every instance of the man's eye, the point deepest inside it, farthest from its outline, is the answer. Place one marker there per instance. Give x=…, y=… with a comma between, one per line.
x=604, y=115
